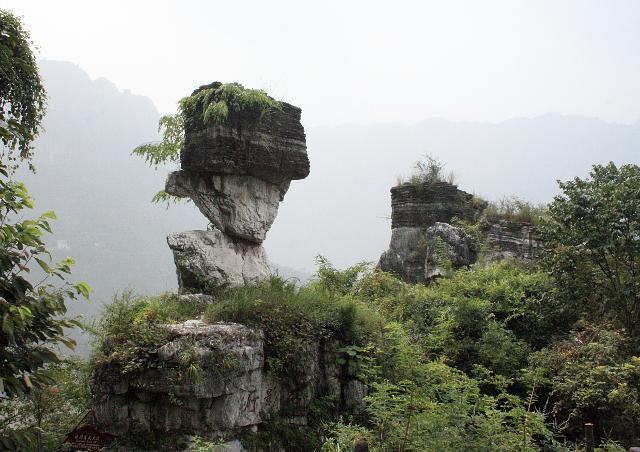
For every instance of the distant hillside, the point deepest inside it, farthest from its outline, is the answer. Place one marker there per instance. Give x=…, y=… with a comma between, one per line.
x=98, y=191
x=106, y=222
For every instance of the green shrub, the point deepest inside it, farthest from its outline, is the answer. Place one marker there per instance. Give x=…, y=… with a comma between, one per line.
x=442, y=411
x=295, y=318
x=593, y=377
x=428, y=170
x=514, y=209
x=213, y=104
x=489, y=315
x=130, y=329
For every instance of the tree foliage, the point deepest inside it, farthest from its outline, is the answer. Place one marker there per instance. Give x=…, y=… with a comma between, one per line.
x=22, y=95
x=592, y=243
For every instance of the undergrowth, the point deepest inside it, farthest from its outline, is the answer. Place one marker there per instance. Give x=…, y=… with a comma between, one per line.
x=514, y=209
x=294, y=319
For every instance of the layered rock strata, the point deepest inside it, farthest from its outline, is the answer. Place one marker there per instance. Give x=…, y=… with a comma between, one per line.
x=423, y=243
x=236, y=172
x=511, y=239
x=230, y=393
x=423, y=205
x=270, y=146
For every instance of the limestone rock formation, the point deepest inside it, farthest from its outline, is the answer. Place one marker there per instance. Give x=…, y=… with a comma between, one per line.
x=271, y=147
x=241, y=206
x=224, y=398
x=447, y=247
x=236, y=172
x=419, y=254
x=511, y=239
x=424, y=245
x=232, y=392
x=425, y=204
x=206, y=259
x=419, y=224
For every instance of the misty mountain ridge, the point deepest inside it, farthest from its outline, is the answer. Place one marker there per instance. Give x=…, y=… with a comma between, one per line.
x=101, y=194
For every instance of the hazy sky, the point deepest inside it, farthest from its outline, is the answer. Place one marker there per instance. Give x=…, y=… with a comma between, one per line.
x=361, y=61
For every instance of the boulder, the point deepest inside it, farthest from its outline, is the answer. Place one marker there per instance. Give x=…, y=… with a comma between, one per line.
x=222, y=397
x=271, y=146
x=240, y=206
x=208, y=259
x=447, y=247
x=230, y=391
x=406, y=254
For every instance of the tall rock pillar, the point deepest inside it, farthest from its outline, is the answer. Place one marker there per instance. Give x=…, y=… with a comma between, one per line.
x=236, y=172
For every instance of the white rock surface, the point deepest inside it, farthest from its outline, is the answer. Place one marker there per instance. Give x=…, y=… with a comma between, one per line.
x=212, y=259
x=241, y=206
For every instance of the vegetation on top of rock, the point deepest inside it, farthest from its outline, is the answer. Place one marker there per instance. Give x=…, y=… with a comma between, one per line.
x=514, y=209
x=130, y=329
x=211, y=104
x=428, y=170
x=295, y=318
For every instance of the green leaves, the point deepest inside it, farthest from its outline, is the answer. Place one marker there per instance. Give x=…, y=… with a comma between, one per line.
x=31, y=315
x=592, y=242
x=22, y=94
x=168, y=150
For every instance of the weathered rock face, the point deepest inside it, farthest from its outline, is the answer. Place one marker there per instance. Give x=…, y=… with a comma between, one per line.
x=231, y=392
x=419, y=254
x=223, y=397
x=424, y=205
x=406, y=254
x=511, y=239
x=448, y=247
x=272, y=148
x=422, y=241
x=240, y=206
x=206, y=259
x=237, y=173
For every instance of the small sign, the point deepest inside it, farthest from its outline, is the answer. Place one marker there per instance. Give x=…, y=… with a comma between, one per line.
x=88, y=438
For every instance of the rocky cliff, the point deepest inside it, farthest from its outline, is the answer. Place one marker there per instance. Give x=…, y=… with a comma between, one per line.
x=425, y=245
x=230, y=393
x=212, y=379
x=421, y=237
x=508, y=239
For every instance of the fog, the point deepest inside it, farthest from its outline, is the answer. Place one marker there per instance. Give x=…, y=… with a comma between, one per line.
x=361, y=61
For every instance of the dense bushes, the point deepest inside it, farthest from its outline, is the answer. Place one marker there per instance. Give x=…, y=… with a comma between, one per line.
x=295, y=318
x=48, y=413
x=593, y=376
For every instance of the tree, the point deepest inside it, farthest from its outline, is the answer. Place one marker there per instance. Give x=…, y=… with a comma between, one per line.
x=31, y=314
x=22, y=95
x=592, y=243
